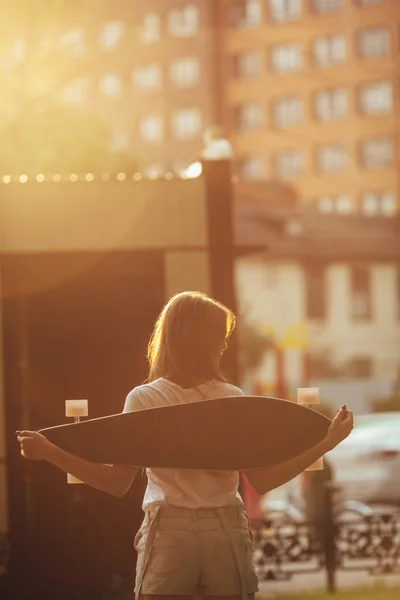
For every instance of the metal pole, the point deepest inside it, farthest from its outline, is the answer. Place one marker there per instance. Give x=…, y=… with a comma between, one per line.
x=329, y=545
x=219, y=201
x=221, y=244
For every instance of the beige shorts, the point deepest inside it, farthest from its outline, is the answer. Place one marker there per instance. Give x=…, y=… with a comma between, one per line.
x=203, y=552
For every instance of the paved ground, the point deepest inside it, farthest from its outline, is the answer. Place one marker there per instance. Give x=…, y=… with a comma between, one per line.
x=311, y=582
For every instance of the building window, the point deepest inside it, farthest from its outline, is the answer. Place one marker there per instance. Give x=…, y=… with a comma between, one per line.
x=151, y=29
x=284, y=10
x=289, y=164
x=249, y=116
x=119, y=142
x=247, y=64
x=74, y=41
x=376, y=98
x=379, y=203
x=251, y=167
x=331, y=105
x=326, y=204
x=329, y=50
x=186, y=123
x=315, y=280
x=287, y=112
x=184, y=22
x=147, y=78
x=334, y=204
x=360, y=294
x=358, y=367
x=331, y=159
x=185, y=72
x=151, y=129
x=110, y=85
x=326, y=6
x=111, y=35
x=374, y=42
x=245, y=13
x=377, y=152
x=287, y=58
x=343, y=205
x=75, y=92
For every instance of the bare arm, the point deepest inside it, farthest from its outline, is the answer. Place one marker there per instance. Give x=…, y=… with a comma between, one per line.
x=267, y=479
x=107, y=478
x=112, y=479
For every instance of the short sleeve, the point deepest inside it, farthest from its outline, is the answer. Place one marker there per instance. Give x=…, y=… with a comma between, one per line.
x=133, y=401
x=236, y=391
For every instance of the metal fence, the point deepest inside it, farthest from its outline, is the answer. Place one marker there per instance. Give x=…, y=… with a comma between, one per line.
x=370, y=544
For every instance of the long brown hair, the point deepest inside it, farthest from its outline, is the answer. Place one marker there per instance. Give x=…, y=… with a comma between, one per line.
x=188, y=338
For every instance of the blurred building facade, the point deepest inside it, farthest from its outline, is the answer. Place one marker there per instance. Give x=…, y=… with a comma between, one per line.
x=311, y=95
x=326, y=290
x=307, y=90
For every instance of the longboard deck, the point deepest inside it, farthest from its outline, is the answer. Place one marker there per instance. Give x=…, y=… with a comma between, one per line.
x=230, y=433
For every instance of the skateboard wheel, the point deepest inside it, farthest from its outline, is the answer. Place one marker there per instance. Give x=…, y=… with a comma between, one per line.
x=72, y=479
x=317, y=466
x=76, y=408
x=308, y=396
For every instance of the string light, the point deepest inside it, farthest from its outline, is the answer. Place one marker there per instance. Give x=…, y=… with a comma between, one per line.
x=193, y=171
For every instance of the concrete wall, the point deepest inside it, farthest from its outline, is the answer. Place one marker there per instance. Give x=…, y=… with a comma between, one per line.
x=95, y=220
x=44, y=217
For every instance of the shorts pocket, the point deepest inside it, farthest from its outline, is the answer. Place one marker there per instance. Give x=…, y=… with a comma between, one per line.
x=166, y=554
x=227, y=561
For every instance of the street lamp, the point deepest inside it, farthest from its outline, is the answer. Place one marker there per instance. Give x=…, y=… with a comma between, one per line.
x=216, y=147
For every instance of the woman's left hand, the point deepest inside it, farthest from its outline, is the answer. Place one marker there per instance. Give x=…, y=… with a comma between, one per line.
x=34, y=445
x=340, y=428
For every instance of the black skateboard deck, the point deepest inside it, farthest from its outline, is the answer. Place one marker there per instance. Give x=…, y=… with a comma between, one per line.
x=231, y=433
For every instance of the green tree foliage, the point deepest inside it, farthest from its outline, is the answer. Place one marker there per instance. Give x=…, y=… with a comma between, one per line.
x=40, y=131
x=252, y=345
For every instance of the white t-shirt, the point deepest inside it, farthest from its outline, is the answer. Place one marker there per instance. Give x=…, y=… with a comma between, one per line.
x=187, y=488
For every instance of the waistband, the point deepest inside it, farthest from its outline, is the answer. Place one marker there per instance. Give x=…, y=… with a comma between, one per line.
x=178, y=512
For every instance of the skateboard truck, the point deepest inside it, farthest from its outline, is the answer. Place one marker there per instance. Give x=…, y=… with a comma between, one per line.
x=309, y=397
x=75, y=409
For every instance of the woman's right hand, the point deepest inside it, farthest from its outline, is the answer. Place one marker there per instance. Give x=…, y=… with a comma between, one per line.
x=34, y=445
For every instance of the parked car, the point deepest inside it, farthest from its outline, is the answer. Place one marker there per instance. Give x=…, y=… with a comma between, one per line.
x=367, y=463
